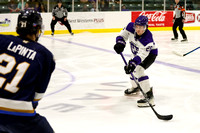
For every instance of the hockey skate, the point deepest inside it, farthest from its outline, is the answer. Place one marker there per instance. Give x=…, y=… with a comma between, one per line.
x=144, y=103
x=52, y=33
x=130, y=91
x=184, y=40
x=72, y=33
x=174, y=39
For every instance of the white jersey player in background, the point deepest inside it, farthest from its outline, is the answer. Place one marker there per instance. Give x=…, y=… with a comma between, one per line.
x=144, y=53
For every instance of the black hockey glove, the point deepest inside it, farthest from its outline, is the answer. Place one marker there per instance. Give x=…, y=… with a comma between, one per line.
x=119, y=47
x=130, y=67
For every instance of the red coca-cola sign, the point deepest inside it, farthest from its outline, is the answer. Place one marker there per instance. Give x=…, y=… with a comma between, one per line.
x=190, y=18
x=156, y=18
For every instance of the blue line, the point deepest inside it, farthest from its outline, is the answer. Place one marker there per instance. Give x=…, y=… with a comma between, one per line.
x=67, y=86
x=178, y=67
x=113, y=52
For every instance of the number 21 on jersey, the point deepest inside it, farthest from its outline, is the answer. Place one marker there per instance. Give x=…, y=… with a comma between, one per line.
x=11, y=63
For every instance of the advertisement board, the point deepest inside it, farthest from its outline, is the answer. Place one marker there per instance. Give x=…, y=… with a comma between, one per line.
x=85, y=21
x=5, y=23
x=192, y=18
x=156, y=18
x=164, y=18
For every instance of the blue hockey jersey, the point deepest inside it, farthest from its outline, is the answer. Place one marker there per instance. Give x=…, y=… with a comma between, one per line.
x=25, y=70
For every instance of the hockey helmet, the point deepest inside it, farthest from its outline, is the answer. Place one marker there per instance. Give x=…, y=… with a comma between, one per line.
x=142, y=21
x=29, y=22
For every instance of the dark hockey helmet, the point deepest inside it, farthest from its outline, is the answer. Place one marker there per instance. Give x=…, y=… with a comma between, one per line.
x=29, y=22
x=142, y=21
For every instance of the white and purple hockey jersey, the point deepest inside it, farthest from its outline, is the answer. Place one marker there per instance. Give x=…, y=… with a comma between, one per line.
x=141, y=46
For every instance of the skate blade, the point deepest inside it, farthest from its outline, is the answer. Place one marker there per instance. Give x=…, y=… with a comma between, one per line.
x=132, y=94
x=145, y=106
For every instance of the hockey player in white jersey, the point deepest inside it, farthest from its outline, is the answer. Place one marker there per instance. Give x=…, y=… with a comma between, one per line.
x=144, y=53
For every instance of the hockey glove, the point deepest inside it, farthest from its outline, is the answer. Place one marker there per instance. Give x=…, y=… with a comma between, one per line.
x=130, y=67
x=119, y=47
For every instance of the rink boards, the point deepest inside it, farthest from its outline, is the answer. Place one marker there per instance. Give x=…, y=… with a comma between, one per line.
x=104, y=22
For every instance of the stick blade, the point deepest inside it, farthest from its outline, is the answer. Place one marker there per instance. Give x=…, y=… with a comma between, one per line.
x=176, y=53
x=165, y=117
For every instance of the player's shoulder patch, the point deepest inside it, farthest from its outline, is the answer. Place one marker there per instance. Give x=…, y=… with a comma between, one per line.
x=130, y=27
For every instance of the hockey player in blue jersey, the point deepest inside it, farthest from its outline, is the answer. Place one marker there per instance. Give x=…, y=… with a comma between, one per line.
x=144, y=53
x=25, y=70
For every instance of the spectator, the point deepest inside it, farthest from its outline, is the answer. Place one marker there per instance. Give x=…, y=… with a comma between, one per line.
x=124, y=8
x=104, y=4
x=85, y=8
x=42, y=8
x=112, y=7
x=12, y=6
x=37, y=8
x=19, y=6
x=171, y=7
x=94, y=8
x=27, y=6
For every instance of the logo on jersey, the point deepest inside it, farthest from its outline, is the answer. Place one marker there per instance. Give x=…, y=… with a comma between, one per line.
x=190, y=18
x=134, y=48
x=5, y=23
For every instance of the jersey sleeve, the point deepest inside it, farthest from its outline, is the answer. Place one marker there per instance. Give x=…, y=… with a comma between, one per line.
x=65, y=11
x=124, y=34
x=47, y=67
x=54, y=11
x=183, y=12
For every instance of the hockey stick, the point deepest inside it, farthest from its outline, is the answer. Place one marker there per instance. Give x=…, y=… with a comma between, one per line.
x=191, y=51
x=162, y=117
x=185, y=53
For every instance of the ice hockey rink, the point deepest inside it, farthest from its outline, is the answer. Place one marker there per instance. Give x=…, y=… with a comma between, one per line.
x=86, y=91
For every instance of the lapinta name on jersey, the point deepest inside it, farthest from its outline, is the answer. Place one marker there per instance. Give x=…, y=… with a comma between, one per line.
x=21, y=50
